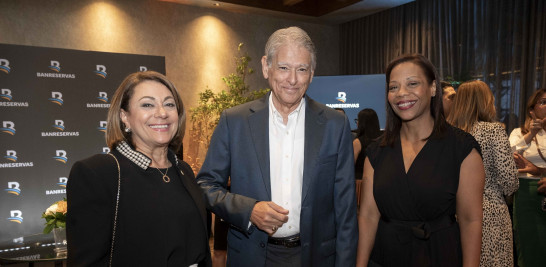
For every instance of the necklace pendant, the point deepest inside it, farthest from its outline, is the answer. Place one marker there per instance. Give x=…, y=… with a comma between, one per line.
x=166, y=178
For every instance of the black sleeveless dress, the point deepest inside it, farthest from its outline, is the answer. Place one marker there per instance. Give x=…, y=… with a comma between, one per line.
x=417, y=225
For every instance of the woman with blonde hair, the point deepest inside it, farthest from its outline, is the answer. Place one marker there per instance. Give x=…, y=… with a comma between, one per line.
x=474, y=112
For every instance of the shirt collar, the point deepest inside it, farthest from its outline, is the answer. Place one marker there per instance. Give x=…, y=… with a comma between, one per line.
x=273, y=110
x=136, y=157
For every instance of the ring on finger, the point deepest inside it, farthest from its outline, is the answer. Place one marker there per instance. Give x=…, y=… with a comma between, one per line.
x=274, y=229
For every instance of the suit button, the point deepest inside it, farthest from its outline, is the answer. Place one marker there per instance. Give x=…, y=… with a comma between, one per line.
x=262, y=244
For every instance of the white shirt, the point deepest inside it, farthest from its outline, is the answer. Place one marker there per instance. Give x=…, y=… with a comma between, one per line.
x=529, y=151
x=286, y=151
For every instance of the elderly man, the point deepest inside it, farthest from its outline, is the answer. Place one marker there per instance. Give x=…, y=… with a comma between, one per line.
x=290, y=160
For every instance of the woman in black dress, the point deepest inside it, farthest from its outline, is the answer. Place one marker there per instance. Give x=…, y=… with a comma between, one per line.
x=420, y=175
x=138, y=205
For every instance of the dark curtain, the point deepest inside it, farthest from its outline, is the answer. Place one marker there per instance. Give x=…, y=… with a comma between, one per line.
x=502, y=43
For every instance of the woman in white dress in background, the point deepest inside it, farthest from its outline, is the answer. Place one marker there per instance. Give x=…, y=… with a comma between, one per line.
x=529, y=145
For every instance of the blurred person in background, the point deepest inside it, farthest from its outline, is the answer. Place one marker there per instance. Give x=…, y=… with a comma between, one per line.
x=529, y=146
x=447, y=96
x=367, y=131
x=473, y=111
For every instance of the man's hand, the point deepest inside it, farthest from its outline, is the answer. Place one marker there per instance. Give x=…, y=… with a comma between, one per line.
x=268, y=216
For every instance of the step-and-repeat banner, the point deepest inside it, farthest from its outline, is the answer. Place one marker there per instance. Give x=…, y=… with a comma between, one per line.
x=53, y=106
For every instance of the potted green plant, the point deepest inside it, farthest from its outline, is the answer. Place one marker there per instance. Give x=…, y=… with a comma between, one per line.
x=204, y=117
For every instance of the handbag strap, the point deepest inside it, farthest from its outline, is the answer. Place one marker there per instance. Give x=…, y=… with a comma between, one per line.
x=539, y=152
x=116, y=211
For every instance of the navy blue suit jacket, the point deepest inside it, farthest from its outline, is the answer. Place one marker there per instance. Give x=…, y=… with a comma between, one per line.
x=239, y=149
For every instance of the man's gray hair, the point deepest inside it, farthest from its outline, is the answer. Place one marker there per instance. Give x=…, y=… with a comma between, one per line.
x=290, y=35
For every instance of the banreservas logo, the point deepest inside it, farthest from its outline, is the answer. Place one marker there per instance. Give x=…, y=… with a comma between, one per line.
x=102, y=126
x=11, y=155
x=56, y=67
x=16, y=216
x=60, y=155
x=101, y=71
x=103, y=97
x=13, y=188
x=57, y=98
x=4, y=66
x=5, y=94
x=143, y=68
x=105, y=150
x=342, y=97
x=61, y=183
x=8, y=127
x=59, y=125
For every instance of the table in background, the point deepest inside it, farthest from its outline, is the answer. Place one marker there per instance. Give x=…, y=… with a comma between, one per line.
x=30, y=249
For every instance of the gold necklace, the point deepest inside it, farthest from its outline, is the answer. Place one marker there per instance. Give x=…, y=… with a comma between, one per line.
x=166, y=178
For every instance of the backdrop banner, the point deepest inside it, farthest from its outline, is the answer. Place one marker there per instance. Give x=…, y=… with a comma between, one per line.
x=53, y=107
x=352, y=93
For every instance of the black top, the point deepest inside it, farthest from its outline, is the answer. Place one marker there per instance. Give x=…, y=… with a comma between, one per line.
x=359, y=163
x=417, y=226
x=166, y=211
x=180, y=206
x=159, y=224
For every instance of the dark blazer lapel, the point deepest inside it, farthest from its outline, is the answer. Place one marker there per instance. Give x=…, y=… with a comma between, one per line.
x=194, y=190
x=258, y=121
x=314, y=131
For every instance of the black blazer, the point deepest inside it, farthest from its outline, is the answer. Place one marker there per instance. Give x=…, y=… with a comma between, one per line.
x=91, y=193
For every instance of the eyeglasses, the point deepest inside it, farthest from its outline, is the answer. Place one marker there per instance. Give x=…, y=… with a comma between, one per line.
x=542, y=102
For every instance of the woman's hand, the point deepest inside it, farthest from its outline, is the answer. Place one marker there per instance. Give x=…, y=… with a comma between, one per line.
x=536, y=124
x=534, y=127
x=525, y=166
x=520, y=162
x=542, y=186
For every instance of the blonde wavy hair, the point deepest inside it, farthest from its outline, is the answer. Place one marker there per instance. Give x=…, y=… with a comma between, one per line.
x=474, y=102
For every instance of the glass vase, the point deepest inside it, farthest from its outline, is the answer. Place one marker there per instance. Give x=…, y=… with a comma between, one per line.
x=59, y=234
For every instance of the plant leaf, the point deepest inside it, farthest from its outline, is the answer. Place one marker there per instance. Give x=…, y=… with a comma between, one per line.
x=48, y=228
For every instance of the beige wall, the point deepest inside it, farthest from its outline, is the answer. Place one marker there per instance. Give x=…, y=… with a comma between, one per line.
x=198, y=43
